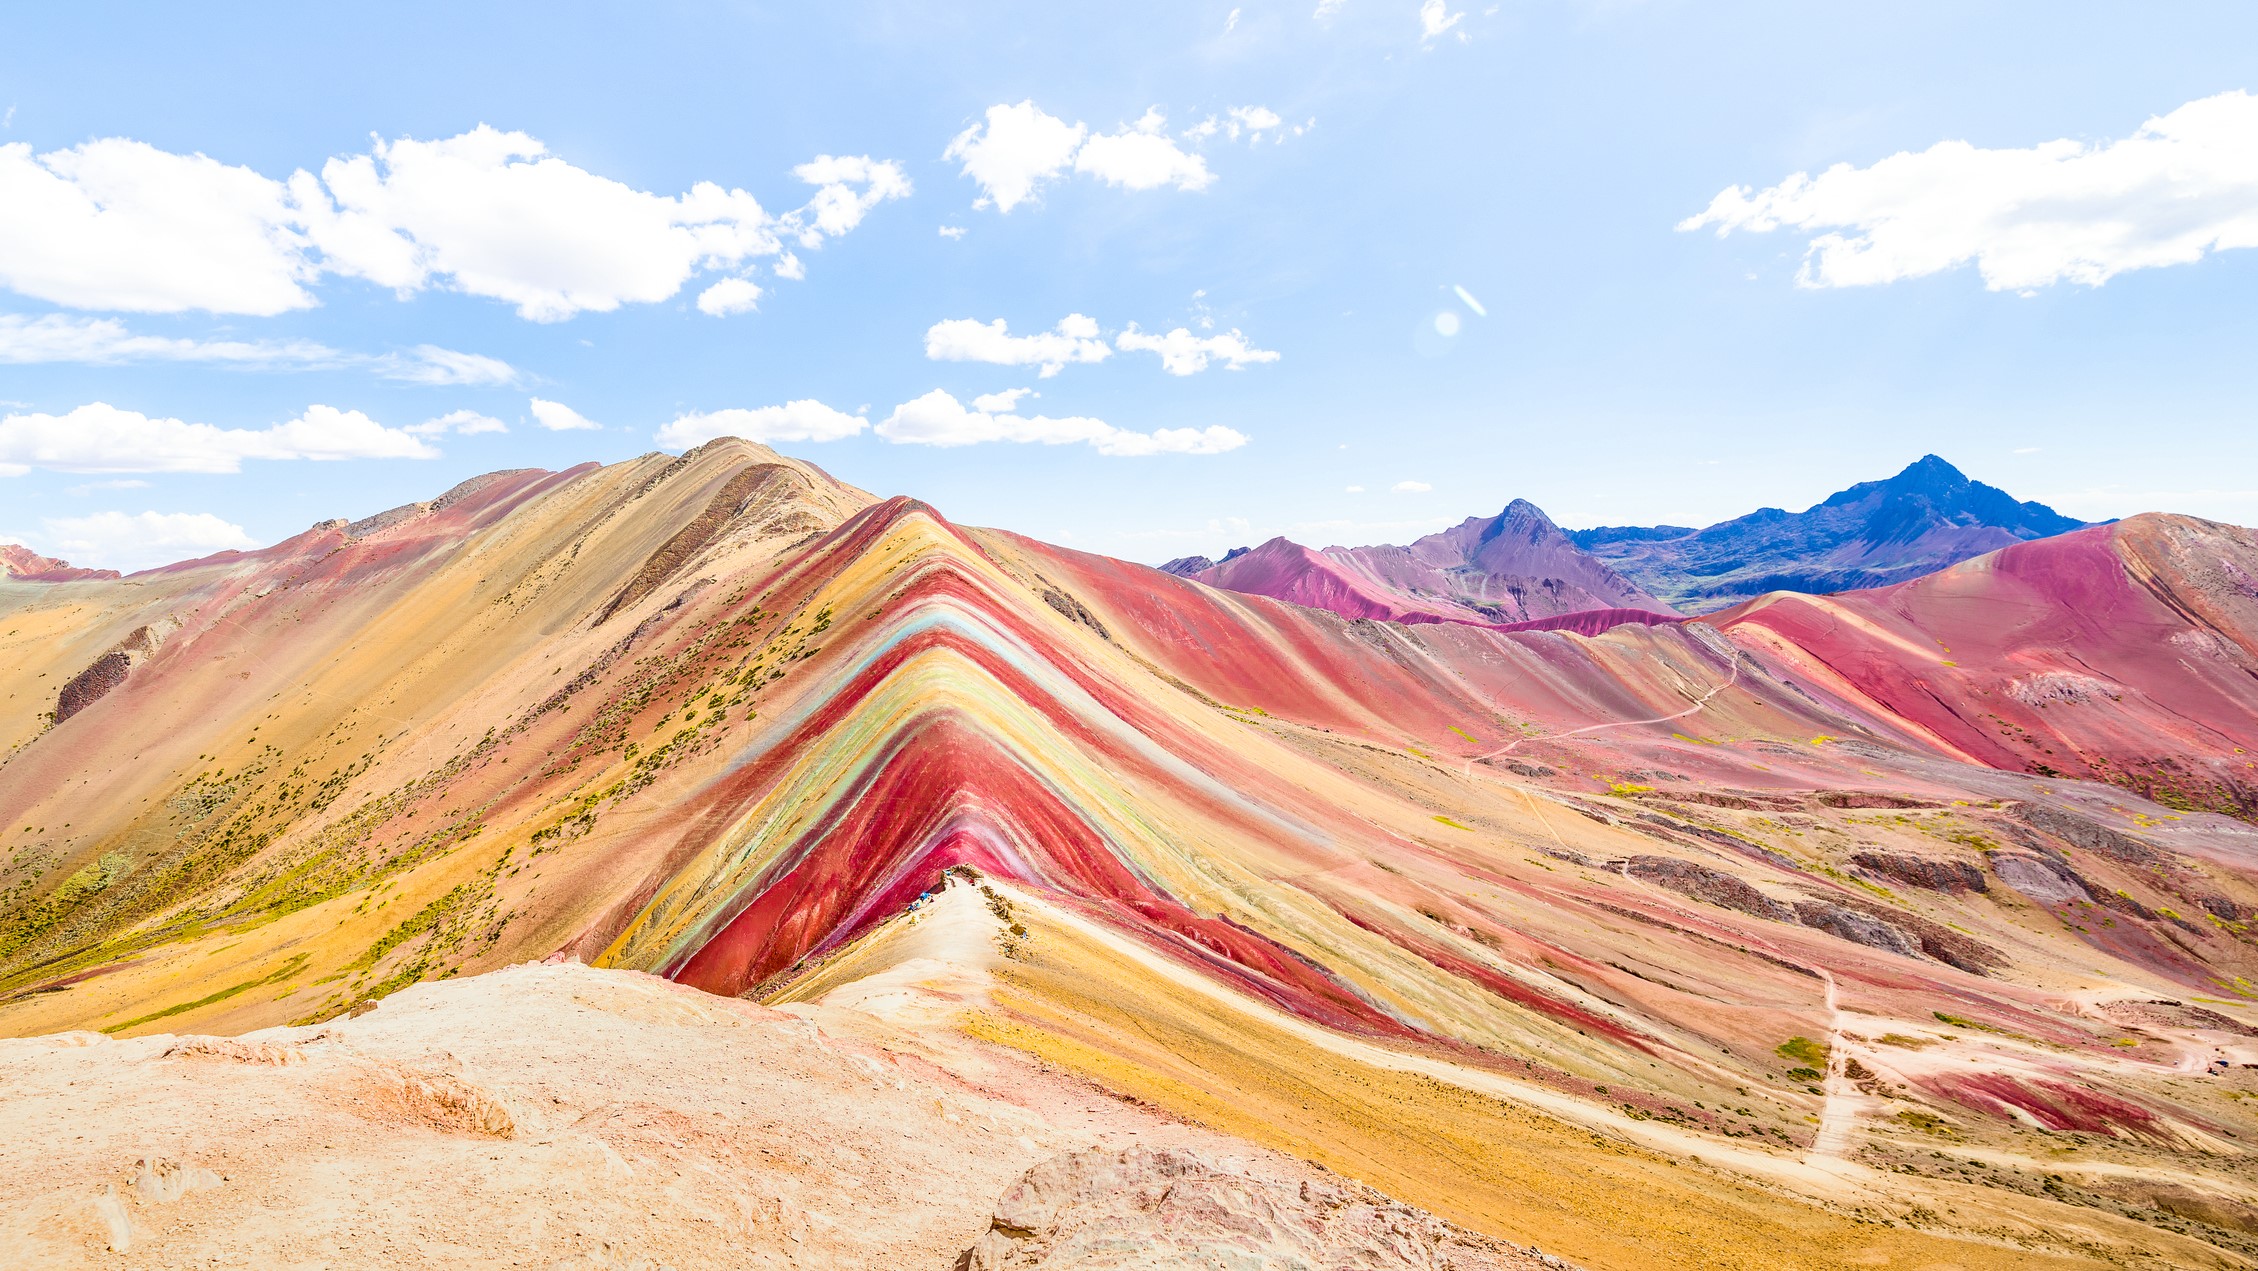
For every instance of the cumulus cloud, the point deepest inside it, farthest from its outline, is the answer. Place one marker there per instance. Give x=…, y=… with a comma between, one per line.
x=465, y=422
x=1435, y=18
x=1002, y=403
x=2184, y=184
x=1182, y=353
x=558, y=417
x=1015, y=150
x=59, y=337
x=729, y=296
x=803, y=420
x=131, y=541
x=119, y=224
x=938, y=419
x=99, y=437
x=1411, y=487
x=952, y=232
x=1142, y=157
x=1075, y=339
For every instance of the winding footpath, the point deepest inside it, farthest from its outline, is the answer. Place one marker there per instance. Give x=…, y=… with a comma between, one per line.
x=1838, y=1119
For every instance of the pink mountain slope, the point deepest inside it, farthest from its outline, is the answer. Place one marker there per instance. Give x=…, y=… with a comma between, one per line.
x=1513, y=568
x=2118, y=653
x=1285, y=570
x=21, y=564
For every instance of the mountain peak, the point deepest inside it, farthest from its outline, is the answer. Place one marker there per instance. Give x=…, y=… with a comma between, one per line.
x=1934, y=464
x=1929, y=472
x=1929, y=515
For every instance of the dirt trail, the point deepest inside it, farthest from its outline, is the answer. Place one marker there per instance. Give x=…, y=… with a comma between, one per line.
x=1837, y=1115
x=1732, y=678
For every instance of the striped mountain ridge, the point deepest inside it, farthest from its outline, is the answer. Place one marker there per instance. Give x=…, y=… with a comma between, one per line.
x=724, y=719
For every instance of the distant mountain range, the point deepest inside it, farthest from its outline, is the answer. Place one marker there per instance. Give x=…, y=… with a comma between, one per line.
x=1510, y=568
x=1871, y=535
x=1519, y=567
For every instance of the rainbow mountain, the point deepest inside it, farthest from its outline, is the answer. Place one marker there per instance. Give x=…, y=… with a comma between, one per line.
x=1909, y=927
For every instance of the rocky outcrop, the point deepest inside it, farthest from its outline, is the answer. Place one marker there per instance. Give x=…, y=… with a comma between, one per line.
x=2088, y=834
x=1114, y=1211
x=1867, y=799
x=92, y=684
x=1186, y=566
x=1711, y=886
x=1934, y=939
x=2041, y=879
x=1952, y=877
x=105, y=673
x=1855, y=927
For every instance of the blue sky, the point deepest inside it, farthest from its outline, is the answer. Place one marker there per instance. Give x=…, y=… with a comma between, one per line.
x=2072, y=322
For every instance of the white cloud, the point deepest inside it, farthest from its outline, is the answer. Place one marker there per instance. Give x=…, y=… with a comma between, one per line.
x=59, y=337
x=729, y=296
x=465, y=422
x=850, y=185
x=1002, y=403
x=1411, y=487
x=558, y=417
x=99, y=437
x=119, y=540
x=1182, y=353
x=498, y=216
x=938, y=419
x=430, y=364
x=2183, y=184
x=803, y=420
x=1435, y=18
x=85, y=488
x=1075, y=339
x=1142, y=157
x=119, y=224
x=1356, y=489
x=952, y=232
x=1327, y=8
x=1254, y=120
x=1252, y=123
x=1016, y=149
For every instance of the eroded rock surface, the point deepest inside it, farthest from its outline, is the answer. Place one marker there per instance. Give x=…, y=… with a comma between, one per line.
x=1146, y=1207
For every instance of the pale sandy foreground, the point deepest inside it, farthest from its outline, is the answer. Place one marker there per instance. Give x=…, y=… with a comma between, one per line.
x=562, y=1116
